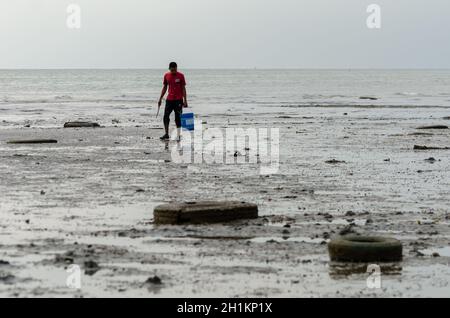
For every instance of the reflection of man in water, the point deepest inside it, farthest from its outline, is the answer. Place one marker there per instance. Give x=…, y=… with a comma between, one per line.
x=176, y=99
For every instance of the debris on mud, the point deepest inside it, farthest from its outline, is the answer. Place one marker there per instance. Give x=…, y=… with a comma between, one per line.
x=33, y=141
x=334, y=161
x=417, y=147
x=431, y=160
x=204, y=212
x=433, y=127
x=365, y=249
x=81, y=124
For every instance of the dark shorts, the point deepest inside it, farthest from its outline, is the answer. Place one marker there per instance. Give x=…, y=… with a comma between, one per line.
x=175, y=106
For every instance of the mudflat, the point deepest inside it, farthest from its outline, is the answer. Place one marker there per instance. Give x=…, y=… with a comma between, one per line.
x=88, y=200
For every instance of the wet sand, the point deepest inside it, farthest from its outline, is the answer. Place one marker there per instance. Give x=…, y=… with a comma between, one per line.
x=89, y=200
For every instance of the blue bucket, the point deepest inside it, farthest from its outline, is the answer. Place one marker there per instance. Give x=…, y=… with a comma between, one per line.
x=187, y=121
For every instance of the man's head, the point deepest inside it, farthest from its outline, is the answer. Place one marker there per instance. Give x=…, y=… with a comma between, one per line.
x=173, y=67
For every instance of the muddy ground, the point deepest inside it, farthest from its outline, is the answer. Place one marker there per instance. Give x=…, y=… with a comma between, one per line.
x=88, y=200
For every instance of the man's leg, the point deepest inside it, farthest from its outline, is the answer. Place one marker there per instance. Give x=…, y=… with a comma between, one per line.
x=168, y=110
x=178, y=112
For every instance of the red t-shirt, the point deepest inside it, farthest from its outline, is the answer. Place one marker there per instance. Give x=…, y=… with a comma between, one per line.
x=176, y=84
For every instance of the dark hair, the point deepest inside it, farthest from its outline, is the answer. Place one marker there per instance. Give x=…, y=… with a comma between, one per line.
x=173, y=65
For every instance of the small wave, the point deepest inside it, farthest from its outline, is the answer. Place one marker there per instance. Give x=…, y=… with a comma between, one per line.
x=362, y=106
x=412, y=94
x=63, y=97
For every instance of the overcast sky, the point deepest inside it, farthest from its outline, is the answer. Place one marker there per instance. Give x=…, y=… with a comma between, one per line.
x=225, y=34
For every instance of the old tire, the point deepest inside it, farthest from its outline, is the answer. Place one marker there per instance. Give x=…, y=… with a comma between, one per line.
x=34, y=141
x=353, y=248
x=204, y=212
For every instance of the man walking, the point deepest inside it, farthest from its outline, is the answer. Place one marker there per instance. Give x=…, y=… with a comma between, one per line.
x=175, y=82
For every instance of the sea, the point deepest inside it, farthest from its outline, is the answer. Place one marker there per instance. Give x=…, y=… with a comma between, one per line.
x=46, y=98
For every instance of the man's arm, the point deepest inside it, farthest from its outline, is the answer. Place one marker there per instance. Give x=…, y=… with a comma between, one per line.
x=185, y=97
x=163, y=92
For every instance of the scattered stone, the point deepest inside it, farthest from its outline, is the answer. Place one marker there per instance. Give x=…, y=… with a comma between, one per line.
x=3, y=262
x=334, y=161
x=387, y=160
x=204, y=212
x=140, y=190
x=368, y=98
x=42, y=192
x=431, y=160
x=91, y=267
x=81, y=124
x=435, y=255
x=328, y=216
x=155, y=280
x=350, y=213
x=33, y=141
x=347, y=230
x=434, y=127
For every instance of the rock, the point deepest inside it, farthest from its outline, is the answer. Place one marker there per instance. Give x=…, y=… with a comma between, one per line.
x=417, y=147
x=350, y=213
x=435, y=255
x=347, y=230
x=33, y=141
x=155, y=280
x=368, y=98
x=3, y=262
x=80, y=124
x=91, y=267
x=204, y=212
x=431, y=160
x=434, y=127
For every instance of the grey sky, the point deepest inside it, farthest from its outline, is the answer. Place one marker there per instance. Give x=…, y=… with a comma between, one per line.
x=225, y=34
